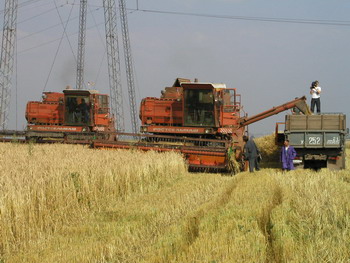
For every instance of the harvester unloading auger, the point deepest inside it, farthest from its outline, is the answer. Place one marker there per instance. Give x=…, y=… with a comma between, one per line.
x=200, y=120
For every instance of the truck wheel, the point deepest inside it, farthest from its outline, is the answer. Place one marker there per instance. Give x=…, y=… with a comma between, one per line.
x=337, y=164
x=315, y=164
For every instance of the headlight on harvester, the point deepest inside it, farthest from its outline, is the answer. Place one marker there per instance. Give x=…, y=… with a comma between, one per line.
x=207, y=131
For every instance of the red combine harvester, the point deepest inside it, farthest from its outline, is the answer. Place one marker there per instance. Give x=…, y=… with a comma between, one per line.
x=79, y=115
x=203, y=121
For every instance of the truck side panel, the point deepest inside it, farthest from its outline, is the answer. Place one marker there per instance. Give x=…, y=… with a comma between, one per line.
x=322, y=122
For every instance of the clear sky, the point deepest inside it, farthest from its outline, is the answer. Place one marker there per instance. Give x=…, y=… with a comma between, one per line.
x=222, y=41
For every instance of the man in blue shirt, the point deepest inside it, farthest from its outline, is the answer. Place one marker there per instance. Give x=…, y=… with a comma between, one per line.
x=288, y=154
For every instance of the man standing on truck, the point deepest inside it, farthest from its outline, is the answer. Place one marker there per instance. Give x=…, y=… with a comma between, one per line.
x=288, y=154
x=315, y=92
x=251, y=153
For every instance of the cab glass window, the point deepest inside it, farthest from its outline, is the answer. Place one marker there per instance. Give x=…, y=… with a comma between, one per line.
x=77, y=110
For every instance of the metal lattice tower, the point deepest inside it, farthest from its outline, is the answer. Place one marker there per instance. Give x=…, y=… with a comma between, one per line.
x=112, y=44
x=128, y=66
x=81, y=44
x=7, y=58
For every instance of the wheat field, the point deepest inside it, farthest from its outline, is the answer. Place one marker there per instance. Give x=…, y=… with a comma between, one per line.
x=69, y=203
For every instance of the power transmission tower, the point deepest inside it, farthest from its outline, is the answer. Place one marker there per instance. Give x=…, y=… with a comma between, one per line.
x=81, y=44
x=128, y=66
x=7, y=58
x=112, y=44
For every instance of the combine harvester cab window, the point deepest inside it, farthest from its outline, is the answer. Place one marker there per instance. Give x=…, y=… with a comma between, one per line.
x=229, y=98
x=103, y=107
x=78, y=110
x=199, y=107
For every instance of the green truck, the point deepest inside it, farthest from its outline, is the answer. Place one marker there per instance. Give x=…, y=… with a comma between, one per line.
x=319, y=140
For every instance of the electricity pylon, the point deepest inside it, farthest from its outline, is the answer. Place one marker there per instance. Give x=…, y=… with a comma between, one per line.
x=7, y=59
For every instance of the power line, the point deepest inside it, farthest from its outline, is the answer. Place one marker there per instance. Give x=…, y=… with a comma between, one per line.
x=29, y=2
x=53, y=26
x=43, y=30
x=24, y=4
x=55, y=40
x=58, y=48
x=100, y=67
x=252, y=18
x=329, y=22
x=32, y=7
x=247, y=18
x=95, y=23
x=103, y=44
x=35, y=16
x=64, y=27
x=261, y=19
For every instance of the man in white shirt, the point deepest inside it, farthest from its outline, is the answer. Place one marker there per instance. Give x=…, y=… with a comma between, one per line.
x=315, y=91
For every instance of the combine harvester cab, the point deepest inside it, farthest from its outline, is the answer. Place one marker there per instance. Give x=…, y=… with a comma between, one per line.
x=71, y=115
x=202, y=110
x=200, y=120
